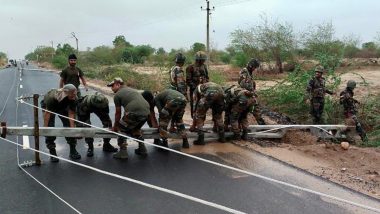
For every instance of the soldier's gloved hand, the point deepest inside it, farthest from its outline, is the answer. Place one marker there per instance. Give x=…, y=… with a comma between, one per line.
x=165, y=112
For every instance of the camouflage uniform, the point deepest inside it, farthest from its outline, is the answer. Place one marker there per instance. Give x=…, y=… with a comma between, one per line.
x=316, y=90
x=177, y=79
x=196, y=74
x=239, y=103
x=97, y=104
x=349, y=104
x=136, y=113
x=246, y=81
x=171, y=106
x=208, y=95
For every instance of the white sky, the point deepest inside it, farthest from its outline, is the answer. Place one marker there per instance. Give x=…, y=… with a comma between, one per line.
x=25, y=24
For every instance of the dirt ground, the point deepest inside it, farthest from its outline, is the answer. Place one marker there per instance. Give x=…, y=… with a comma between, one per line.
x=356, y=168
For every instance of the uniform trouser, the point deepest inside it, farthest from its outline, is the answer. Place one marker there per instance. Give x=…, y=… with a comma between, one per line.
x=350, y=120
x=217, y=107
x=104, y=118
x=131, y=126
x=50, y=144
x=316, y=109
x=191, y=94
x=175, y=115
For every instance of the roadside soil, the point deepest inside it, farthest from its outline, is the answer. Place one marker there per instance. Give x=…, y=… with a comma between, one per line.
x=356, y=168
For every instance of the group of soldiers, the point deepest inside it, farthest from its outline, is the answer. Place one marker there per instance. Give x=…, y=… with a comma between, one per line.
x=134, y=108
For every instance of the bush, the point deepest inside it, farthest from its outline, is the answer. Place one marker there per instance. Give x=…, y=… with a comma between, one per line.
x=60, y=61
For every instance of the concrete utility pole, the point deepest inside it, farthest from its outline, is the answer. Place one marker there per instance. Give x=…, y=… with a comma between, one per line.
x=208, y=26
x=76, y=39
x=52, y=53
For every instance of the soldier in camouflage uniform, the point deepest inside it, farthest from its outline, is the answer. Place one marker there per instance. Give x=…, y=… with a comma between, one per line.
x=316, y=91
x=136, y=114
x=247, y=82
x=208, y=95
x=349, y=104
x=152, y=121
x=72, y=75
x=61, y=101
x=97, y=104
x=177, y=75
x=194, y=73
x=171, y=106
x=239, y=103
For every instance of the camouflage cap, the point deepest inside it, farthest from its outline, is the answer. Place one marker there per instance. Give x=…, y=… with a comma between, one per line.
x=116, y=80
x=319, y=69
x=351, y=84
x=69, y=87
x=99, y=101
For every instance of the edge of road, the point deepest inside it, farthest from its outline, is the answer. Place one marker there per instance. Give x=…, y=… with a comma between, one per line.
x=308, y=173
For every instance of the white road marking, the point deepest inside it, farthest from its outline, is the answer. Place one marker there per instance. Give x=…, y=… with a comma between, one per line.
x=20, y=86
x=25, y=140
x=20, y=79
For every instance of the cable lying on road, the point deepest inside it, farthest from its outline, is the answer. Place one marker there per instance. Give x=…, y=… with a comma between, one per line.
x=213, y=163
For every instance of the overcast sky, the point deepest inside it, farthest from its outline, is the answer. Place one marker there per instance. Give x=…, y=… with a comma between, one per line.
x=170, y=24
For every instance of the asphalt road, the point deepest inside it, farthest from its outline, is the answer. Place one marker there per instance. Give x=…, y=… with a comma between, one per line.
x=92, y=192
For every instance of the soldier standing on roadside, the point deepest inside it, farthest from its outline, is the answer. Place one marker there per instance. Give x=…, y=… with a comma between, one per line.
x=316, y=91
x=97, y=104
x=208, y=95
x=349, y=104
x=61, y=101
x=177, y=75
x=72, y=75
x=171, y=106
x=136, y=114
x=239, y=103
x=194, y=73
x=246, y=81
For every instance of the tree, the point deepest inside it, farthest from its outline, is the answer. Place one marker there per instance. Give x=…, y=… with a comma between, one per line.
x=160, y=51
x=120, y=42
x=3, y=58
x=198, y=47
x=64, y=50
x=369, y=46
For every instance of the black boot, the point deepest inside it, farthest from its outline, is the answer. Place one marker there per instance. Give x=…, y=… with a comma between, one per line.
x=201, y=139
x=165, y=143
x=141, y=150
x=53, y=152
x=90, y=150
x=244, y=136
x=221, y=139
x=73, y=153
x=107, y=147
x=236, y=136
x=157, y=142
x=185, y=143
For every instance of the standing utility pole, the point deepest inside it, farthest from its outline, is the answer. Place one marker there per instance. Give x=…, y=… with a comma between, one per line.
x=52, y=53
x=208, y=25
x=76, y=39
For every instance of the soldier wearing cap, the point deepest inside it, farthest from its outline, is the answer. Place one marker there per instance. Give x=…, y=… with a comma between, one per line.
x=239, y=102
x=177, y=75
x=136, y=113
x=194, y=74
x=350, y=109
x=72, y=75
x=316, y=90
x=171, y=106
x=97, y=104
x=208, y=95
x=247, y=82
x=61, y=101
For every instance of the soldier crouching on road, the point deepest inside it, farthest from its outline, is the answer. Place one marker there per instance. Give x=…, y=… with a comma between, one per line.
x=171, y=106
x=239, y=103
x=208, y=95
x=136, y=113
x=61, y=101
x=349, y=104
x=97, y=104
x=152, y=121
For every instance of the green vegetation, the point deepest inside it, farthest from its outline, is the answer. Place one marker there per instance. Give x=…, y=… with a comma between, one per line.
x=3, y=59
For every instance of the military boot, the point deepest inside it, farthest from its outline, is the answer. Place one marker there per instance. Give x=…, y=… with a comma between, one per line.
x=53, y=152
x=221, y=139
x=201, y=139
x=185, y=143
x=244, y=136
x=141, y=150
x=73, y=153
x=236, y=136
x=157, y=142
x=123, y=153
x=107, y=147
x=90, y=150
